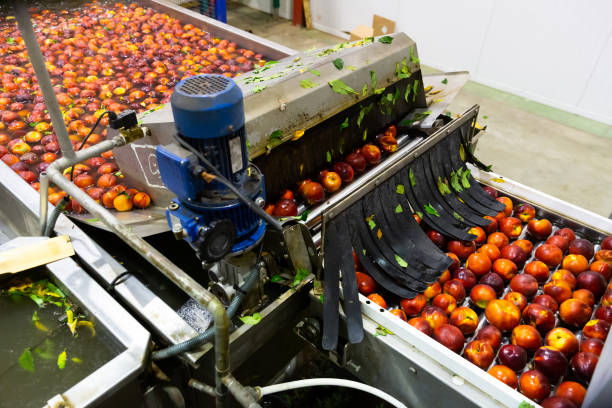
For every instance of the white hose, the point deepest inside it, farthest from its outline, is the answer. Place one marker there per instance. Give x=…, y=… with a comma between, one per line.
x=313, y=382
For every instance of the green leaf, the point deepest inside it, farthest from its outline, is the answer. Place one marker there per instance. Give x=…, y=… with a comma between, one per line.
x=10, y=40
x=365, y=134
x=415, y=88
x=385, y=40
x=267, y=64
x=45, y=351
x=411, y=177
x=458, y=216
x=304, y=215
x=485, y=117
x=76, y=360
x=445, y=81
x=321, y=297
x=26, y=360
x=378, y=91
x=371, y=224
x=259, y=88
x=93, y=220
x=351, y=67
x=381, y=331
x=340, y=87
x=37, y=299
x=525, y=404
x=61, y=360
x=399, y=189
x=420, y=214
x=373, y=78
x=314, y=72
x=35, y=317
x=464, y=179
x=399, y=209
x=307, y=83
x=407, y=93
x=413, y=58
x=276, y=279
x=338, y=63
x=455, y=182
x=344, y=124
x=277, y=134
x=430, y=210
x=52, y=288
x=252, y=320
x=443, y=187
x=364, y=90
x=300, y=275
x=400, y=261
x=328, y=157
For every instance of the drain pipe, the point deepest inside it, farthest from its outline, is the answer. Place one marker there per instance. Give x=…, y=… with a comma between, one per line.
x=43, y=189
x=156, y=258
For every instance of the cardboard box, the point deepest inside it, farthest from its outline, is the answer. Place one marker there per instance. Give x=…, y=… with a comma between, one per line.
x=380, y=26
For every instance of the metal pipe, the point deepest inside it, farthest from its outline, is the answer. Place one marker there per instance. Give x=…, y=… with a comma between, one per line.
x=44, y=82
x=246, y=396
x=205, y=388
x=44, y=198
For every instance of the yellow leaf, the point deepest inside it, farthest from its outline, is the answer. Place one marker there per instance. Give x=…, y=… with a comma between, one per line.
x=72, y=327
x=437, y=91
x=437, y=100
x=498, y=180
x=40, y=326
x=298, y=134
x=461, y=200
x=428, y=88
x=70, y=316
x=301, y=168
x=379, y=233
x=89, y=325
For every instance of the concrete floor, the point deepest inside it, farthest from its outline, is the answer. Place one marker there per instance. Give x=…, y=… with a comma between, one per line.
x=553, y=151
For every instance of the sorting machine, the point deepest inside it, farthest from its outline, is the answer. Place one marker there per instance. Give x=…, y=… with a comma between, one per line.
x=210, y=160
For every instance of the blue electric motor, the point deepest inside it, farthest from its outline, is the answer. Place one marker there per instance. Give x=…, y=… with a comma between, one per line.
x=209, y=118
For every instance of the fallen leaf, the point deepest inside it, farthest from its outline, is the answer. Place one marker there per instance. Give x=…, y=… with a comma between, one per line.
x=300, y=275
x=314, y=72
x=445, y=81
x=379, y=233
x=340, y=87
x=344, y=124
x=298, y=134
x=429, y=209
x=399, y=209
x=386, y=39
x=458, y=216
x=399, y=189
x=338, y=63
x=411, y=177
x=498, y=180
x=307, y=83
x=400, y=261
x=26, y=360
x=276, y=278
x=61, y=360
x=252, y=320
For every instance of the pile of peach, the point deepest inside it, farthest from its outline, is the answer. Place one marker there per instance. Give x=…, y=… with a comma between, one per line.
x=546, y=312
x=100, y=57
x=342, y=172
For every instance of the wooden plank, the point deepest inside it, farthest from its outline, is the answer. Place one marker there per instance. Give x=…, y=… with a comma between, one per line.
x=36, y=254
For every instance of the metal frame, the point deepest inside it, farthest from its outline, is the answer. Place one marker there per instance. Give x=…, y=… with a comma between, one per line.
x=21, y=210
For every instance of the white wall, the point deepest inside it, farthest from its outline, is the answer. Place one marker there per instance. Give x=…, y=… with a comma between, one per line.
x=558, y=52
x=285, y=10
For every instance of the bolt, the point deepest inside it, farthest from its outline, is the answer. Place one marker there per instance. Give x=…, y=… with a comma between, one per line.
x=260, y=202
x=173, y=206
x=412, y=370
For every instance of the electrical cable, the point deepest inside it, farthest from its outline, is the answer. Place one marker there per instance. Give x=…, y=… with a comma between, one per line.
x=209, y=333
x=246, y=200
x=88, y=135
x=54, y=215
x=338, y=382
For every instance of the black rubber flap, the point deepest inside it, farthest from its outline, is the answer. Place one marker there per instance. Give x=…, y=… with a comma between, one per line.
x=445, y=193
x=331, y=279
x=352, y=308
x=418, y=194
x=441, y=156
x=454, y=146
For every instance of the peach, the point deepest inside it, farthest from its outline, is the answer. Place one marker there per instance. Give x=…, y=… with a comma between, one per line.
x=566, y=233
x=591, y=345
x=525, y=212
x=379, y=300
x=505, y=268
x=585, y=295
x=479, y=353
x=547, y=301
x=575, y=312
x=558, y=289
x=422, y=325
x=461, y=248
x=534, y=385
x=517, y=298
x=573, y=391
x=563, y=340
x=511, y=227
x=478, y=263
x=493, y=225
x=540, y=317
x=525, y=245
x=505, y=375
x=445, y=302
x=551, y=255
x=434, y=316
x=575, y=263
x=455, y=288
x=603, y=268
x=564, y=275
x=480, y=234
x=414, y=306
x=508, y=203
x=525, y=284
x=539, y=229
x=465, y=319
x=498, y=239
x=539, y=270
x=491, y=251
x=432, y=290
x=481, y=295
x=491, y=335
x=596, y=329
x=503, y=314
x=559, y=241
x=450, y=337
x=527, y=337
